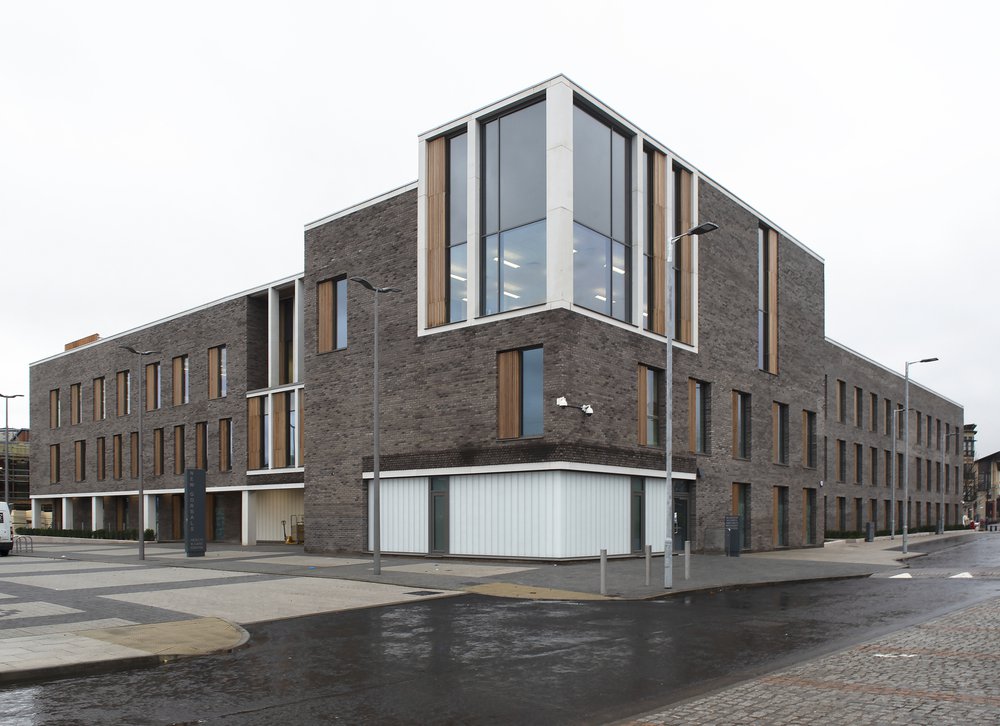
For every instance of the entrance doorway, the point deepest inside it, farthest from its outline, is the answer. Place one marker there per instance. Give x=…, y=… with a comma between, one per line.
x=680, y=522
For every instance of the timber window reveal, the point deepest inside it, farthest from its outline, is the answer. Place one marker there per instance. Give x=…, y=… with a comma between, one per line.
x=520, y=380
x=742, y=434
x=655, y=253
x=180, y=460
x=767, y=300
x=157, y=452
x=649, y=403
x=779, y=428
x=181, y=382
x=447, y=230
x=683, y=270
x=100, y=400
x=75, y=406
x=331, y=315
x=134, y=454
x=102, y=471
x=116, y=456
x=513, y=231
x=699, y=416
x=840, y=402
x=225, y=444
x=809, y=439
x=123, y=393
x=80, y=460
x=54, y=464
x=55, y=409
x=152, y=386
x=200, y=445
x=217, y=372
x=257, y=439
x=602, y=212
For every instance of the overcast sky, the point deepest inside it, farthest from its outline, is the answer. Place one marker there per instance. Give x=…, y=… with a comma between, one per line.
x=156, y=156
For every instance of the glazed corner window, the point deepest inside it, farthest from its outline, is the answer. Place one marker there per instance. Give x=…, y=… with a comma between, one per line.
x=741, y=425
x=217, y=376
x=602, y=204
x=513, y=238
x=100, y=398
x=181, y=381
x=519, y=393
x=75, y=407
x=54, y=464
x=55, y=409
x=649, y=406
x=123, y=391
x=779, y=415
x=699, y=416
x=767, y=300
x=447, y=229
x=152, y=386
x=225, y=444
x=331, y=312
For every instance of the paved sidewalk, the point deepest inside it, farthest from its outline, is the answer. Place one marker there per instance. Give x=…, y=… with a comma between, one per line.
x=85, y=606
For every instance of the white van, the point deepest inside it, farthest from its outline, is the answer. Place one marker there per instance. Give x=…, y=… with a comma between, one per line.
x=6, y=530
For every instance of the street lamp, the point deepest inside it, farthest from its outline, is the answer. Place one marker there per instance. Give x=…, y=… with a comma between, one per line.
x=377, y=518
x=142, y=404
x=6, y=444
x=668, y=384
x=944, y=472
x=906, y=449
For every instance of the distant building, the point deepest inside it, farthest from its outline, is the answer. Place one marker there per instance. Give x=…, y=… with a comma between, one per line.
x=988, y=489
x=970, y=479
x=18, y=442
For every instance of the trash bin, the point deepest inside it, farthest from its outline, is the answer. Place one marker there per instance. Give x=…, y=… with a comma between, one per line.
x=733, y=536
x=869, y=531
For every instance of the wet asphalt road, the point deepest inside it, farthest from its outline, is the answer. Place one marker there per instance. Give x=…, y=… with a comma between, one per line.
x=474, y=660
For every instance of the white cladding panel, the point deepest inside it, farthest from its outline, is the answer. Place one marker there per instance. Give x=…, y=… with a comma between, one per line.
x=656, y=513
x=596, y=510
x=276, y=506
x=404, y=507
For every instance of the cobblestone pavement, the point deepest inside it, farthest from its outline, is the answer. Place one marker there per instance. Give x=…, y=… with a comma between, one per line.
x=940, y=672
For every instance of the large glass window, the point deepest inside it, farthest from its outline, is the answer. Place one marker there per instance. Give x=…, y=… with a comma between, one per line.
x=457, y=261
x=513, y=241
x=601, y=213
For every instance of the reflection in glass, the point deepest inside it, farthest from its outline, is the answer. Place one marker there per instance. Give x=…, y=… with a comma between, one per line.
x=531, y=392
x=590, y=275
x=458, y=282
x=342, y=313
x=522, y=166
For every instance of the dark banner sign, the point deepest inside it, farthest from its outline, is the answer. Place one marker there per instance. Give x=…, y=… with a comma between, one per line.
x=194, y=512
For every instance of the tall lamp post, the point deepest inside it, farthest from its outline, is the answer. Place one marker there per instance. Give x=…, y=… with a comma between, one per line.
x=906, y=449
x=668, y=384
x=376, y=513
x=6, y=443
x=956, y=433
x=895, y=473
x=142, y=404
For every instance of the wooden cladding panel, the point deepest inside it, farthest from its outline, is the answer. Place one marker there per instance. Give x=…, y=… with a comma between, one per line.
x=436, y=232
x=54, y=464
x=179, y=458
x=685, y=250
x=134, y=455
x=98, y=398
x=214, y=362
x=659, y=196
x=177, y=381
x=509, y=394
x=74, y=403
x=279, y=428
x=225, y=438
x=255, y=432
x=157, y=452
x=641, y=407
x=80, y=460
x=325, y=292
x=772, y=300
x=116, y=456
x=200, y=442
x=54, y=409
x=152, y=383
x=121, y=393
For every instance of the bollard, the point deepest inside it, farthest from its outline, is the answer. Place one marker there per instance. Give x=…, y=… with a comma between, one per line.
x=687, y=559
x=649, y=562
x=604, y=572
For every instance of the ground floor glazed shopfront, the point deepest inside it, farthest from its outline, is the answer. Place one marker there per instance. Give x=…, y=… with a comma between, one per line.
x=245, y=515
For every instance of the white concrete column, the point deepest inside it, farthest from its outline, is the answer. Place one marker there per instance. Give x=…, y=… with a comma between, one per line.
x=472, y=210
x=36, y=513
x=273, y=338
x=248, y=517
x=148, y=511
x=559, y=194
x=421, y=235
x=96, y=513
x=298, y=332
x=67, y=513
x=639, y=281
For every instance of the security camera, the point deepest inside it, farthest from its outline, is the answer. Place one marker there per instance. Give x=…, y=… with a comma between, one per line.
x=821, y=482
x=587, y=409
x=561, y=402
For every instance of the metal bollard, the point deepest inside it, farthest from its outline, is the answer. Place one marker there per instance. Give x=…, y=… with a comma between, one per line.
x=687, y=559
x=604, y=572
x=649, y=562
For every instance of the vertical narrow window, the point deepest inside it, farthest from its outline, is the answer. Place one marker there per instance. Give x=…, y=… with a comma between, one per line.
x=180, y=460
x=286, y=337
x=133, y=445
x=699, y=416
x=841, y=401
x=152, y=386
x=767, y=300
x=457, y=233
x=602, y=238
x=899, y=470
x=225, y=444
x=741, y=425
x=920, y=422
x=920, y=474
x=655, y=305
x=439, y=514
x=123, y=391
x=887, y=426
x=291, y=428
x=742, y=508
x=157, y=452
x=519, y=393
x=255, y=432
x=638, y=514
x=513, y=211
x=279, y=406
x=54, y=464
x=859, y=408
x=780, y=516
x=649, y=406
x=75, y=405
x=217, y=372
x=100, y=400
x=331, y=312
x=859, y=464
x=809, y=515
x=873, y=412
x=841, y=459
x=55, y=410
x=779, y=428
x=809, y=439
x=116, y=456
x=80, y=460
x=873, y=474
x=180, y=384
x=102, y=472
x=200, y=445
x=683, y=265
x=887, y=465
x=899, y=421
x=447, y=229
